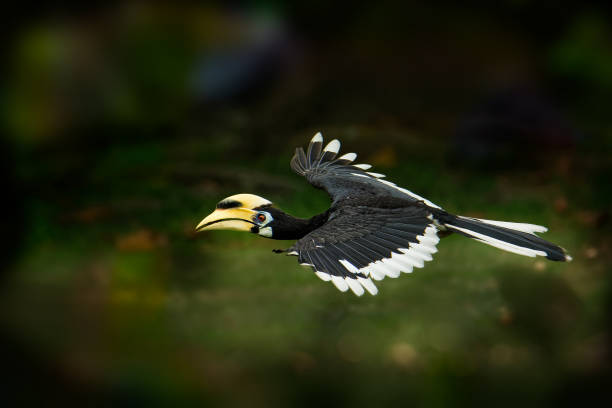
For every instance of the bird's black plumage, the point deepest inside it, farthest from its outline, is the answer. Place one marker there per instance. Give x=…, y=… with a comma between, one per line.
x=377, y=229
x=373, y=229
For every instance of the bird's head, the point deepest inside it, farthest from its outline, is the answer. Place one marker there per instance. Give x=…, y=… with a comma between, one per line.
x=241, y=212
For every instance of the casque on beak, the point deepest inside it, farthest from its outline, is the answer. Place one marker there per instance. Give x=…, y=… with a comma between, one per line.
x=237, y=219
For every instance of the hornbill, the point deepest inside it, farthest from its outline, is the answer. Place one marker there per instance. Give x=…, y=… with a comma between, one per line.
x=373, y=228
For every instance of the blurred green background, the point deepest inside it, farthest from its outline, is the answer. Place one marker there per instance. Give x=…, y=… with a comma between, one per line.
x=124, y=125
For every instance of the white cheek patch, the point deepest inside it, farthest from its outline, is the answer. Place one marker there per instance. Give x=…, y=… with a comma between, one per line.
x=265, y=232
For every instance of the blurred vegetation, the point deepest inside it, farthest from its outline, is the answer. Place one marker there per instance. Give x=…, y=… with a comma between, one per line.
x=125, y=125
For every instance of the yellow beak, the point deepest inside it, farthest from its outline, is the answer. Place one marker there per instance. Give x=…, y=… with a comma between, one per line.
x=237, y=219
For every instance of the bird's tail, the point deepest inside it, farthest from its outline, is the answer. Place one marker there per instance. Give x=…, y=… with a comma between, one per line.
x=509, y=236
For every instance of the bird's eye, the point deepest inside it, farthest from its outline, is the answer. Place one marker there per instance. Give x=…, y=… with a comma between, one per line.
x=261, y=217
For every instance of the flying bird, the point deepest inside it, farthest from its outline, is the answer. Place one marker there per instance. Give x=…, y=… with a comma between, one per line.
x=373, y=228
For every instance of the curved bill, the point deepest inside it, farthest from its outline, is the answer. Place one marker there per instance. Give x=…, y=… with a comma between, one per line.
x=237, y=219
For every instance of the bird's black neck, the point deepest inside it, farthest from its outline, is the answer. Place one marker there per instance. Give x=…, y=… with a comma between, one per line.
x=286, y=226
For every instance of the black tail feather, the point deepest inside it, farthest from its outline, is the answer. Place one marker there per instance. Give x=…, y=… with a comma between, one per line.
x=512, y=240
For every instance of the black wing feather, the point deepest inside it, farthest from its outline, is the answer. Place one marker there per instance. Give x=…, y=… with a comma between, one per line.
x=340, y=178
x=352, y=241
x=381, y=252
x=314, y=152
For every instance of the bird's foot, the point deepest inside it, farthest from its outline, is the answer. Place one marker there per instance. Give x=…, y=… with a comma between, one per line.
x=279, y=251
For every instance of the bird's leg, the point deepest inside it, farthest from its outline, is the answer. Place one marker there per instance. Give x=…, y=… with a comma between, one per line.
x=279, y=251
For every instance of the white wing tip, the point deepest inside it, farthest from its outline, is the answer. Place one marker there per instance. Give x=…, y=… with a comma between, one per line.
x=348, y=156
x=318, y=137
x=349, y=266
x=354, y=286
x=368, y=285
x=333, y=146
x=363, y=166
x=339, y=283
x=323, y=276
x=375, y=274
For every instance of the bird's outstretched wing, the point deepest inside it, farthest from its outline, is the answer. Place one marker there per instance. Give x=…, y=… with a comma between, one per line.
x=362, y=243
x=342, y=179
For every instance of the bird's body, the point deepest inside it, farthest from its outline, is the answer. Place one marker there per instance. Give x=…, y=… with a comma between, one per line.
x=373, y=228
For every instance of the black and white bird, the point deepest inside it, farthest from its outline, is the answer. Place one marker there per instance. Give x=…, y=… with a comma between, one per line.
x=373, y=228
